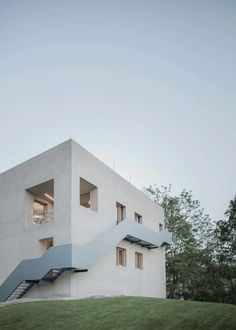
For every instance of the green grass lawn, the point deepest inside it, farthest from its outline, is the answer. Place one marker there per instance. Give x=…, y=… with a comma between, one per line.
x=118, y=313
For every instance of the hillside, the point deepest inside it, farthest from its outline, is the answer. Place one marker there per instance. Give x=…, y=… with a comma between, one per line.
x=118, y=313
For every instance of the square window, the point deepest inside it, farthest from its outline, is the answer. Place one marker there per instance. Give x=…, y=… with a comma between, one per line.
x=138, y=260
x=121, y=257
x=138, y=218
x=88, y=195
x=40, y=203
x=46, y=243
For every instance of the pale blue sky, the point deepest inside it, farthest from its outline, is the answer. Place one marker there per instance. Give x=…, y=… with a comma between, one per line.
x=149, y=85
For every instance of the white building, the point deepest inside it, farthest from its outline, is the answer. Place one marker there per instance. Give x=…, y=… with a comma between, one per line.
x=72, y=227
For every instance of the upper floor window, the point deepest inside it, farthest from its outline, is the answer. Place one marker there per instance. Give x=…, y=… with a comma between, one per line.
x=88, y=195
x=138, y=218
x=120, y=212
x=121, y=257
x=160, y=226
x=138, y=260
x=40, y=203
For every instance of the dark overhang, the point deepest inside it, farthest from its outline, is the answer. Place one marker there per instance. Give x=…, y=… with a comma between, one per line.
x=141, y=242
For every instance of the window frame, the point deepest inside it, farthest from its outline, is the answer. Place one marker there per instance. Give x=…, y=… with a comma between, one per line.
x=138, y=260
x=121, y=259
x=122, y=216
x=138, y=218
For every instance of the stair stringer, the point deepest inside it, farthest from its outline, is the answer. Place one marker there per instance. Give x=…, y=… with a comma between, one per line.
x=35, y=269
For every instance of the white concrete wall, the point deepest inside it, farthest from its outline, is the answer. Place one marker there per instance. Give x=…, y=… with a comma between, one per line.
x=112, y=188
x=75, y=224
x=19, y=241
x=105, y=277
x=59, y=288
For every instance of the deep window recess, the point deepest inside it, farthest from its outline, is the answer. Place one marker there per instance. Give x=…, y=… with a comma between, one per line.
x=160, y=226
x=46, y=243
x=40, y=203
x=121, y=257
x=138, y=260
x=138, y=218
x=120, y=212
x=88, y=195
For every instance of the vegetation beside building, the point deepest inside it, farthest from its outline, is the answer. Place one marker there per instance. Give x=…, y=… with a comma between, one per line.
x=201, y=261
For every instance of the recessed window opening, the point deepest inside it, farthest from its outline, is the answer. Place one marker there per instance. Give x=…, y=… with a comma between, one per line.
x=46, y=243
x=121, y=257
x=138, y=260
x=138, y=218
x=88, y=195
x=160, y=226
x=120, y=212
x=40, y=200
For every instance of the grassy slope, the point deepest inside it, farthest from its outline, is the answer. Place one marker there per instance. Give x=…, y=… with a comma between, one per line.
x=118, y=313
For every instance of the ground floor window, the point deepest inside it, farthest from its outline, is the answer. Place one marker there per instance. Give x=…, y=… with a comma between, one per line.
x=121, y=257
x=46, y=243
x=138, y=260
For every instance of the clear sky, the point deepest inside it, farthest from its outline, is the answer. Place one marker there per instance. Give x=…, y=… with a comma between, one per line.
x=147, y=85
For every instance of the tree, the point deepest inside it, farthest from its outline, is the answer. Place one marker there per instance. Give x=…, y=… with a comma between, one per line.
x=189, y=266
x=225, y=252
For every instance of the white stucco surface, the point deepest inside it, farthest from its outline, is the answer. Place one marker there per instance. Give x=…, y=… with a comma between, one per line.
x=75, y=224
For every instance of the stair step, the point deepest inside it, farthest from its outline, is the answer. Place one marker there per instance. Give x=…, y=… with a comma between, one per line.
x=26, y=285
x=21, y=290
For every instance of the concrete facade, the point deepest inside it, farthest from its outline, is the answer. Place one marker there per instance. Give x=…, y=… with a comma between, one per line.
x=68, y=171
